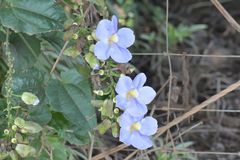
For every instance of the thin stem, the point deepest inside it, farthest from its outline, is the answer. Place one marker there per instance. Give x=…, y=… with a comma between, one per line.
x=169, y=63
x=59, y=56
x=8, y=86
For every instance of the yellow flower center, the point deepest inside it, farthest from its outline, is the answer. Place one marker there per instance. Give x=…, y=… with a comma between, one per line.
x=135, y=127
x=132, y=94
x=113, y=39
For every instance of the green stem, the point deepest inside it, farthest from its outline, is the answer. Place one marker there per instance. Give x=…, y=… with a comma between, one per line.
x=8, y=86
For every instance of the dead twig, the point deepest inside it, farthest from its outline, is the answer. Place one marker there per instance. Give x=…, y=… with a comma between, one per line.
x=197, y=108
x=227, y=16
x=59, y=56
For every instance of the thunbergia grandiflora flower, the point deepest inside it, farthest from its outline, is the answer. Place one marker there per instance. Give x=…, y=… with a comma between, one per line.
x=136, y=131
x=133, y=96
x=113, y=42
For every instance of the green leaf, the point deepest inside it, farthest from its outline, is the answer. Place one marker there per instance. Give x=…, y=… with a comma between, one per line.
x=30, y=80
x=69, y=132
x=72, y=52
x=32, y=127
x=40, y=114
x=25, y=50
x=75, y=135
x=25, y=150
x=59, y=150
x=72, y=100
x=32, y=16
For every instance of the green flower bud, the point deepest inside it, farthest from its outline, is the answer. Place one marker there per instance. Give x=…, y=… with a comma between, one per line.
x=72, y=52
x=98, y=92
x=75, y=36
x=101, y=72
x=121, y=75
x=29, y=98
x=115, y=130
x=94, y=35
x=14, y=127
x=116, y=110
x=14, y=140
x=24, y=131
x=114, y=100
x=91, y=48
x=6, y=132
x=89, y=37
x=104, y=126
x=92, y=61
x=100, y=109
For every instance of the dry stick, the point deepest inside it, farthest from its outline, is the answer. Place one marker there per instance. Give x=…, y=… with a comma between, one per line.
x=164, y=108
x=158, y=93
x=110, y=151
x=197, y=108
x=188, y=55
x=227, y=16
x=176, y=121
x=131, y=155
x=91, y=147
x=59, y=56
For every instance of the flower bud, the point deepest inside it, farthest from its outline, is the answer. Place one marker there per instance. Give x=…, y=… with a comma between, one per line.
x=89, y=37
x=94, y=35
x=14, y=140
x=24, y=131
x=14, y=127
x=92, y=61
x=114, y=100
x=75, y=36
x=116, y=110
x=98, y=92
x=115, y=130
x=91, y=48
x=29, y=98
x=6, y=132
x=121, y=75
x=101, y=72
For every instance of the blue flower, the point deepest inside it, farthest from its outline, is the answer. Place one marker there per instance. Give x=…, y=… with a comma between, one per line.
x=136, y=131
x=113, y=42
x=133, y=96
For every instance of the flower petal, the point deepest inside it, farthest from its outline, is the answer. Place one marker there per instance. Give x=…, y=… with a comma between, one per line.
x=101, y=51
x=120, y=55
x=148, y=126
x=139, y=80
x=115, y=23
x=124, y=136
x=126, y=37
x=136, y=109
x=146, y=94
x=139, y=141
x=126, y=121
x=124, y=84
x=121, y=102
x=104, y=30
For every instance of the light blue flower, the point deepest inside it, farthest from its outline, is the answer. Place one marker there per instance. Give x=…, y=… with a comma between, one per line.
x=136, y=131
x=133, y=96
x=113, y=42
